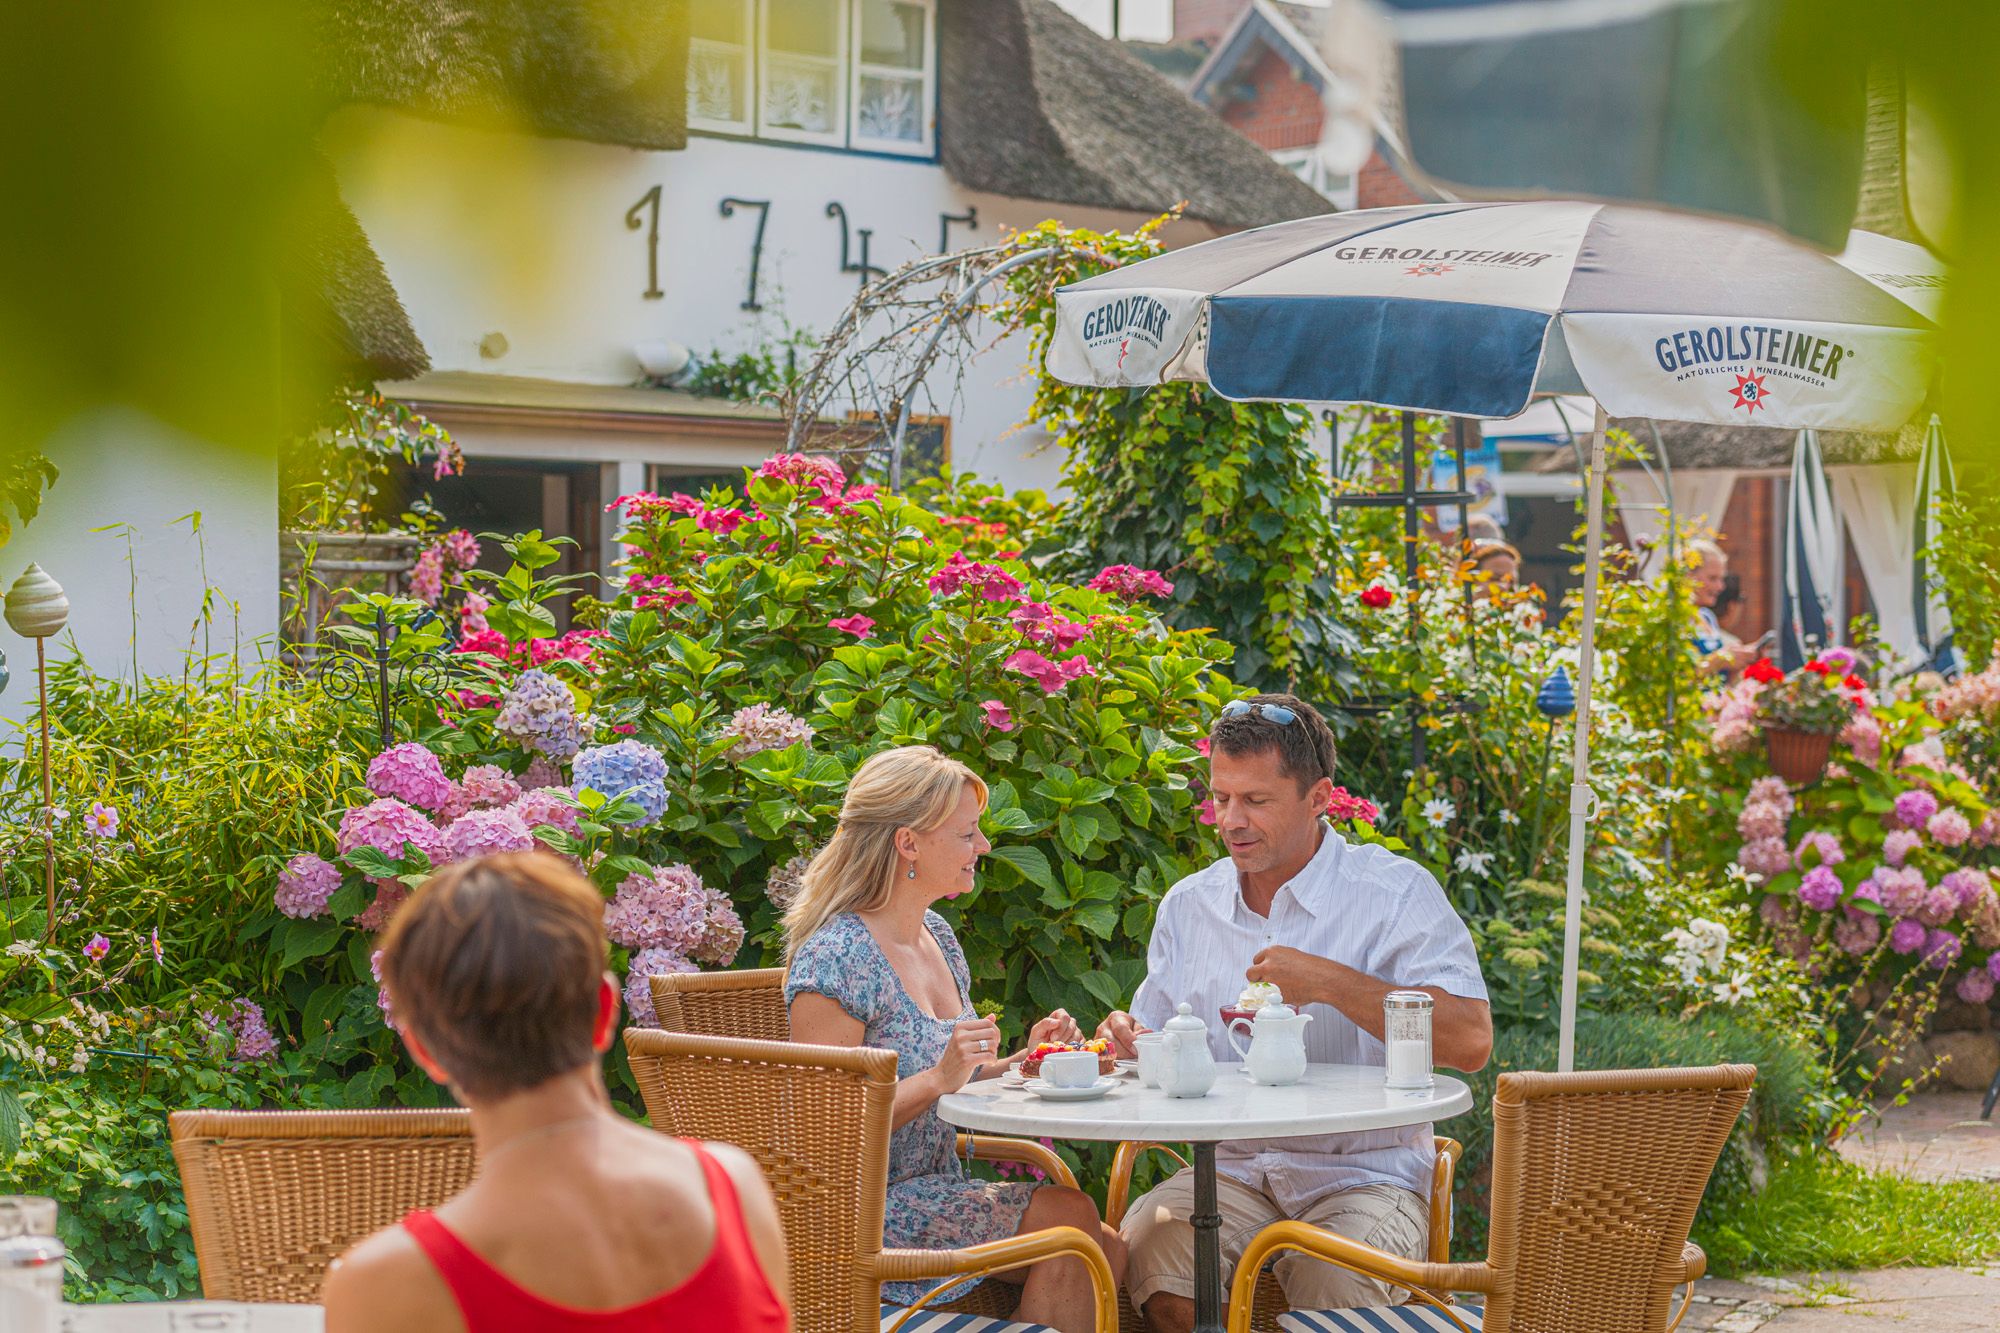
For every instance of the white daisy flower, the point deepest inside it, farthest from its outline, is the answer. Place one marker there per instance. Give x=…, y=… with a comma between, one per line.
x=1735, y=990
x=1438, y=812
x=1509, y=818
x=1477, y=863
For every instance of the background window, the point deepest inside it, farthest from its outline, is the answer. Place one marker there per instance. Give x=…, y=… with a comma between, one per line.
x=719, y=66
x=892, y=76
x=803, y=93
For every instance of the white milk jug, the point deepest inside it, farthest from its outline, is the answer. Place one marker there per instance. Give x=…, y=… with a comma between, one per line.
x=1277, y=1052
x=1186, y=1067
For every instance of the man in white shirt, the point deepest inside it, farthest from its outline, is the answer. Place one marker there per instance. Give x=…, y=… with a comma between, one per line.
x=1335, y=926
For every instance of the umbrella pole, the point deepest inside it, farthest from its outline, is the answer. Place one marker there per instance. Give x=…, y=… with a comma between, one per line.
x=1579, y=788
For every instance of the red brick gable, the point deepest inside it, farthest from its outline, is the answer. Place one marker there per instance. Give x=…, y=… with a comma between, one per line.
x=1280, y=110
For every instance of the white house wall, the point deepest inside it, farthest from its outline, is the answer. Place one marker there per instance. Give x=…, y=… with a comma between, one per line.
x=485, y=233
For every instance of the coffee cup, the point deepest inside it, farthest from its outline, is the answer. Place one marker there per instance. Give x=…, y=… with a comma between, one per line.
x=1148, y=1046
x=1070, y=1069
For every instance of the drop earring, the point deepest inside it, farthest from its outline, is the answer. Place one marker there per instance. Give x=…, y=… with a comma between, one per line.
x=913, y=871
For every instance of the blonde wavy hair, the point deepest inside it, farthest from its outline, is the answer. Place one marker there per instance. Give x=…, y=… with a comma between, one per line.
x=912, y=787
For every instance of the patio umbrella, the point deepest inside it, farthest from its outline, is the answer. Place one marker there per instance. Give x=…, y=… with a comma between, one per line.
x=1812, y=556
x=1935, y=482
x=1469, y=309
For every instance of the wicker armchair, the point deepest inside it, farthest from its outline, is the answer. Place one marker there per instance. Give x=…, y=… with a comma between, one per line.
x=273, y=1197
x=1596, y=1177
x=817, y=1120
x=750, y=1005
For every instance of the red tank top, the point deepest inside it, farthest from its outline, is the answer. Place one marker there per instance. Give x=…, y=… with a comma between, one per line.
x=728, y=1293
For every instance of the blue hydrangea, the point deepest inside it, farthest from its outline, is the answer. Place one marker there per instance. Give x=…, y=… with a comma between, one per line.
x=630, y=769
x=540, y=713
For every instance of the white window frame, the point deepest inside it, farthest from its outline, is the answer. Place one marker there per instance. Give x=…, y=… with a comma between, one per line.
x=746, y=11
x=842, y=78
x=926, y=77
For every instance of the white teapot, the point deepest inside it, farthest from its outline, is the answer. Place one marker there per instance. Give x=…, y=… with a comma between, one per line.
x=1277, y=1053
x=1186, y=1067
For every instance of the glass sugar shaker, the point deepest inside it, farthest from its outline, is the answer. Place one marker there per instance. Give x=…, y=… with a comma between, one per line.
x=1406, y=1038
x=31, y=1265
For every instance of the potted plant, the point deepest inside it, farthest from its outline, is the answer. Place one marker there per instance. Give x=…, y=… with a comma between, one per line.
x=1802, y=713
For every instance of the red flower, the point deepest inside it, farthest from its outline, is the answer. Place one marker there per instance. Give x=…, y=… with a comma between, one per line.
x=1764, y=671
x=1818, y=668
x=1376, y=596
x=1854, y=682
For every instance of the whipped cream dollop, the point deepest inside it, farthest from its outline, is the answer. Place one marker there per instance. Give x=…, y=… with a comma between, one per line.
x=1257, y=994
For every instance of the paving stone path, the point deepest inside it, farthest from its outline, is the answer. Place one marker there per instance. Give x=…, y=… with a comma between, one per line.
x=1938, y=1136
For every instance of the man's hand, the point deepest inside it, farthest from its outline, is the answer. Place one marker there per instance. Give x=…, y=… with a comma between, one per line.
x=1058, y=1026
x=1119, y=1028
x=1301, y=977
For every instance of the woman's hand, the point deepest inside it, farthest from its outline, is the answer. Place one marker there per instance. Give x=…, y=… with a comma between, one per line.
x=1058, y=1026
x=973, y=1043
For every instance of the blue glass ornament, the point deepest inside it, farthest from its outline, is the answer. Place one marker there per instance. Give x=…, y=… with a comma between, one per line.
x=1556, y=698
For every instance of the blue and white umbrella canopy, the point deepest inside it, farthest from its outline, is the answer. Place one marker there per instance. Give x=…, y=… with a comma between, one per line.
x=1813, y=548
x=1470, y=309
x=1935, y=483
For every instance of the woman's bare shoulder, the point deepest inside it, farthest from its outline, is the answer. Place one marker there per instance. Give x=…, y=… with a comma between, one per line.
x=386, y=1284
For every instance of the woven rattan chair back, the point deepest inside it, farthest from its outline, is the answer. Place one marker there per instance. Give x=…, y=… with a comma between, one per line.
x=274, y=1196
x=1596, y=1177
x=816, y=1118
x=748, y=1004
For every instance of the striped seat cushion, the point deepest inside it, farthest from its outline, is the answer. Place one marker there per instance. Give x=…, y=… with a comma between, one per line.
x=950, y=1321
x=1381, y=1319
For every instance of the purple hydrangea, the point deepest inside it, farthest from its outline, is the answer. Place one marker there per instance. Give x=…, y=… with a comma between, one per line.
x=721, y=931
x=547, y=806
x=1949, y=827
x=484, y=787
x=486, y=832
x=1965, y=884
x=386, y=825
x=1907, y=936
x=1939, y=906
x=1859, y=933
x=1976, y=986
x=1993, y=965
x=757, y=727
x=1901, y=891
x=1941, y=949
x=1766, y=856
x=1899, y=843
x=250, y=1034
x=631, y=769
x=305, y=885
x=540, y=713
x=1820, y=889
x=667, y=909
x=411, y=773
x=1826, y=844
x=646, y=964
x=541, y=772
x=1761, y=820
x=1915, y=807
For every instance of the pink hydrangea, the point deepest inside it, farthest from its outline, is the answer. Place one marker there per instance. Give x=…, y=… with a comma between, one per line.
x=667, y=909
x=1966, y=884
x=1858, y=934
x=1902, y=890
x=805, y=471
x=1771, y=790
x=1940, y=905
x=381, y=991
x=647, y=964
x=1993, y=966
x=390, y=894
x=1051, y=676
x=1976, y=986
x=1915, y=807
x=998, y=715
x=1949, y=827
x=1863, y=735
x=484, y=787
x=427, y=578
x=1772, y=910
x=1131, y=583
x=250, y=1034
x=1820, y=889
x=1760, y=820
x=485, y=833
x=1736, y=718
x=758, y=727
x=1907, y=936
x=1899, y=843
x=1041, y=623
x=542, y=771
x=1765, y=856
x=1941, y=949
x=386, y=825
x=721, y=931
x=1826, y=845
x=1988, y=832
x=553, y=807
x=411, y=773
x=461, y=549
x=305, y=885
x=989, y=582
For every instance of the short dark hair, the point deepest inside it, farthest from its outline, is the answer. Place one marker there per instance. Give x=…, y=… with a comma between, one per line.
x=495, y=965
x=1305, y=747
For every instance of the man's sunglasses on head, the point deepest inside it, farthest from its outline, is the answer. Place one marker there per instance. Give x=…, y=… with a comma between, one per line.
x=1277, y=713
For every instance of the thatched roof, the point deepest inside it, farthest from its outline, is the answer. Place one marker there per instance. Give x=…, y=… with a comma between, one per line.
x=1755, y=448
x=1883, y=206
x=608, y=71
x=336, y=291
x=1037, y=106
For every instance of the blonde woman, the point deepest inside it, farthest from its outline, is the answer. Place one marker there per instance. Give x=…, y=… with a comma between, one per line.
x=869, y=964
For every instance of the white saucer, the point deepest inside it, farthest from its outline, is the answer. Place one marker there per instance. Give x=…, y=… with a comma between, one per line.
x=1050, y=1092
x=1126, y=1068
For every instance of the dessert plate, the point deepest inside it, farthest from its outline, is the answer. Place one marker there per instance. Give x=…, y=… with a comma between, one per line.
x=1050, y=1092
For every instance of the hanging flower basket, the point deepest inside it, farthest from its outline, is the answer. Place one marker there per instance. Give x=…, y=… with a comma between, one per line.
x=1799, y=757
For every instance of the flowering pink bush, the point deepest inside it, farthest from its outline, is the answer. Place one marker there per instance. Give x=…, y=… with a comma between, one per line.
x=305, y=885
x=484, y=787
x=759, y=727
x=666, y=909
x=1131, y=584
x=410, y=773
x=386, y=825
x=486, y=833
x=989, y=582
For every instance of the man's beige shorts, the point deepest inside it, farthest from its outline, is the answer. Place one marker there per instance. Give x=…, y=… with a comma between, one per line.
x=1161, y=1240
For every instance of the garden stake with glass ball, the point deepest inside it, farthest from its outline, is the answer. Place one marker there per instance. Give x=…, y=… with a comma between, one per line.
x=36, y=609
x=1555, y=700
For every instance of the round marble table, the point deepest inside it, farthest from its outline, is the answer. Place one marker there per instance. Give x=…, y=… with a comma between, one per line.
x=1330, y=1099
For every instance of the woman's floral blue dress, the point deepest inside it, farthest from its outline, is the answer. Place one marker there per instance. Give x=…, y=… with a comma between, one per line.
x=933, y=1204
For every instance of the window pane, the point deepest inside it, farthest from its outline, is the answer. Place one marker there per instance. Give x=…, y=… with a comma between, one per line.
x=890, y=108
x=720, y=21
x=808, y=26
x=717, y=84
x=799, y=95
x=892, y=34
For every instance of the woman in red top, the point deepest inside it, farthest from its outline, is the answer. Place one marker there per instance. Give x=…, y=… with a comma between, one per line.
x=577, y=1219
